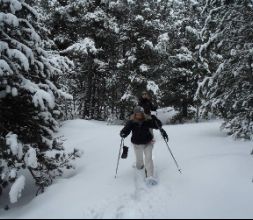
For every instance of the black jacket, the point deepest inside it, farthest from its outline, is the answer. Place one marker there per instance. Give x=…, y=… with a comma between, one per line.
x=147, y=105
x=140, y=130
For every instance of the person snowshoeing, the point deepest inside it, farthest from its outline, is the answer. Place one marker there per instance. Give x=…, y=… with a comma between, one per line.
x=146, y=103
x=140, y=125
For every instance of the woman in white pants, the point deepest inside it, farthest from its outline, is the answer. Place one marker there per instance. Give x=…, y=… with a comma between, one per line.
x=146, y=150
x=142, y=139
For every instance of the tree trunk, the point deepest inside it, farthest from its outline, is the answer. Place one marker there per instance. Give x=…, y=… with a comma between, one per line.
x=185, y=109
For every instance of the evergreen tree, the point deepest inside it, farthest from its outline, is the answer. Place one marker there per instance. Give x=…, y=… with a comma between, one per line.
x=144, y=41
x=227, y=53
x=183, y=69
x=116, y=48
x=28, y=99
x=88, y=35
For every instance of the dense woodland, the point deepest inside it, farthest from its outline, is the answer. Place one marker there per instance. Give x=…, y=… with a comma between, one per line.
x=91, y=59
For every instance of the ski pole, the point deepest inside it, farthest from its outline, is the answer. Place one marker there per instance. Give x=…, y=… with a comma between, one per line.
x=179, y=169
x=121, y=145
x=160, y=129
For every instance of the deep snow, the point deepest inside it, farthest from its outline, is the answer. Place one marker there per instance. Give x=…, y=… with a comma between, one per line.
x=216, y=180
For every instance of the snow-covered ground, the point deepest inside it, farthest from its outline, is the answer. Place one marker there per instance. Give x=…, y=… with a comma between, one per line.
x=216, y=180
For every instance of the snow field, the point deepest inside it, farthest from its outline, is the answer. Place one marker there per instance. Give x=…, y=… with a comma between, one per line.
x=216, y=180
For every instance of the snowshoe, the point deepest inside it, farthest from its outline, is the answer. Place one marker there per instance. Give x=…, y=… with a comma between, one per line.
x=151, y=181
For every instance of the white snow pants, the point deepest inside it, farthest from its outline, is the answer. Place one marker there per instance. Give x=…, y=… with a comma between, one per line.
x=147, y=150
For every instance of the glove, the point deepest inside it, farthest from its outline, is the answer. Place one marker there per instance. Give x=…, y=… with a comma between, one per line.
x=157, y=122
x=123, y=135
x=125, y=153
x=165, y=135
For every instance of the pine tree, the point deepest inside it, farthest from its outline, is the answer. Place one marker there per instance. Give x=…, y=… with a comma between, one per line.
x=28, y=99
x=125, y=56
x=183, y=69
x=143, y=38
x=92, y=45
x=227, y=53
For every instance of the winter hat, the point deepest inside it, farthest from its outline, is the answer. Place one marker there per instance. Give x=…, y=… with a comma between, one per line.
x=139, y=109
